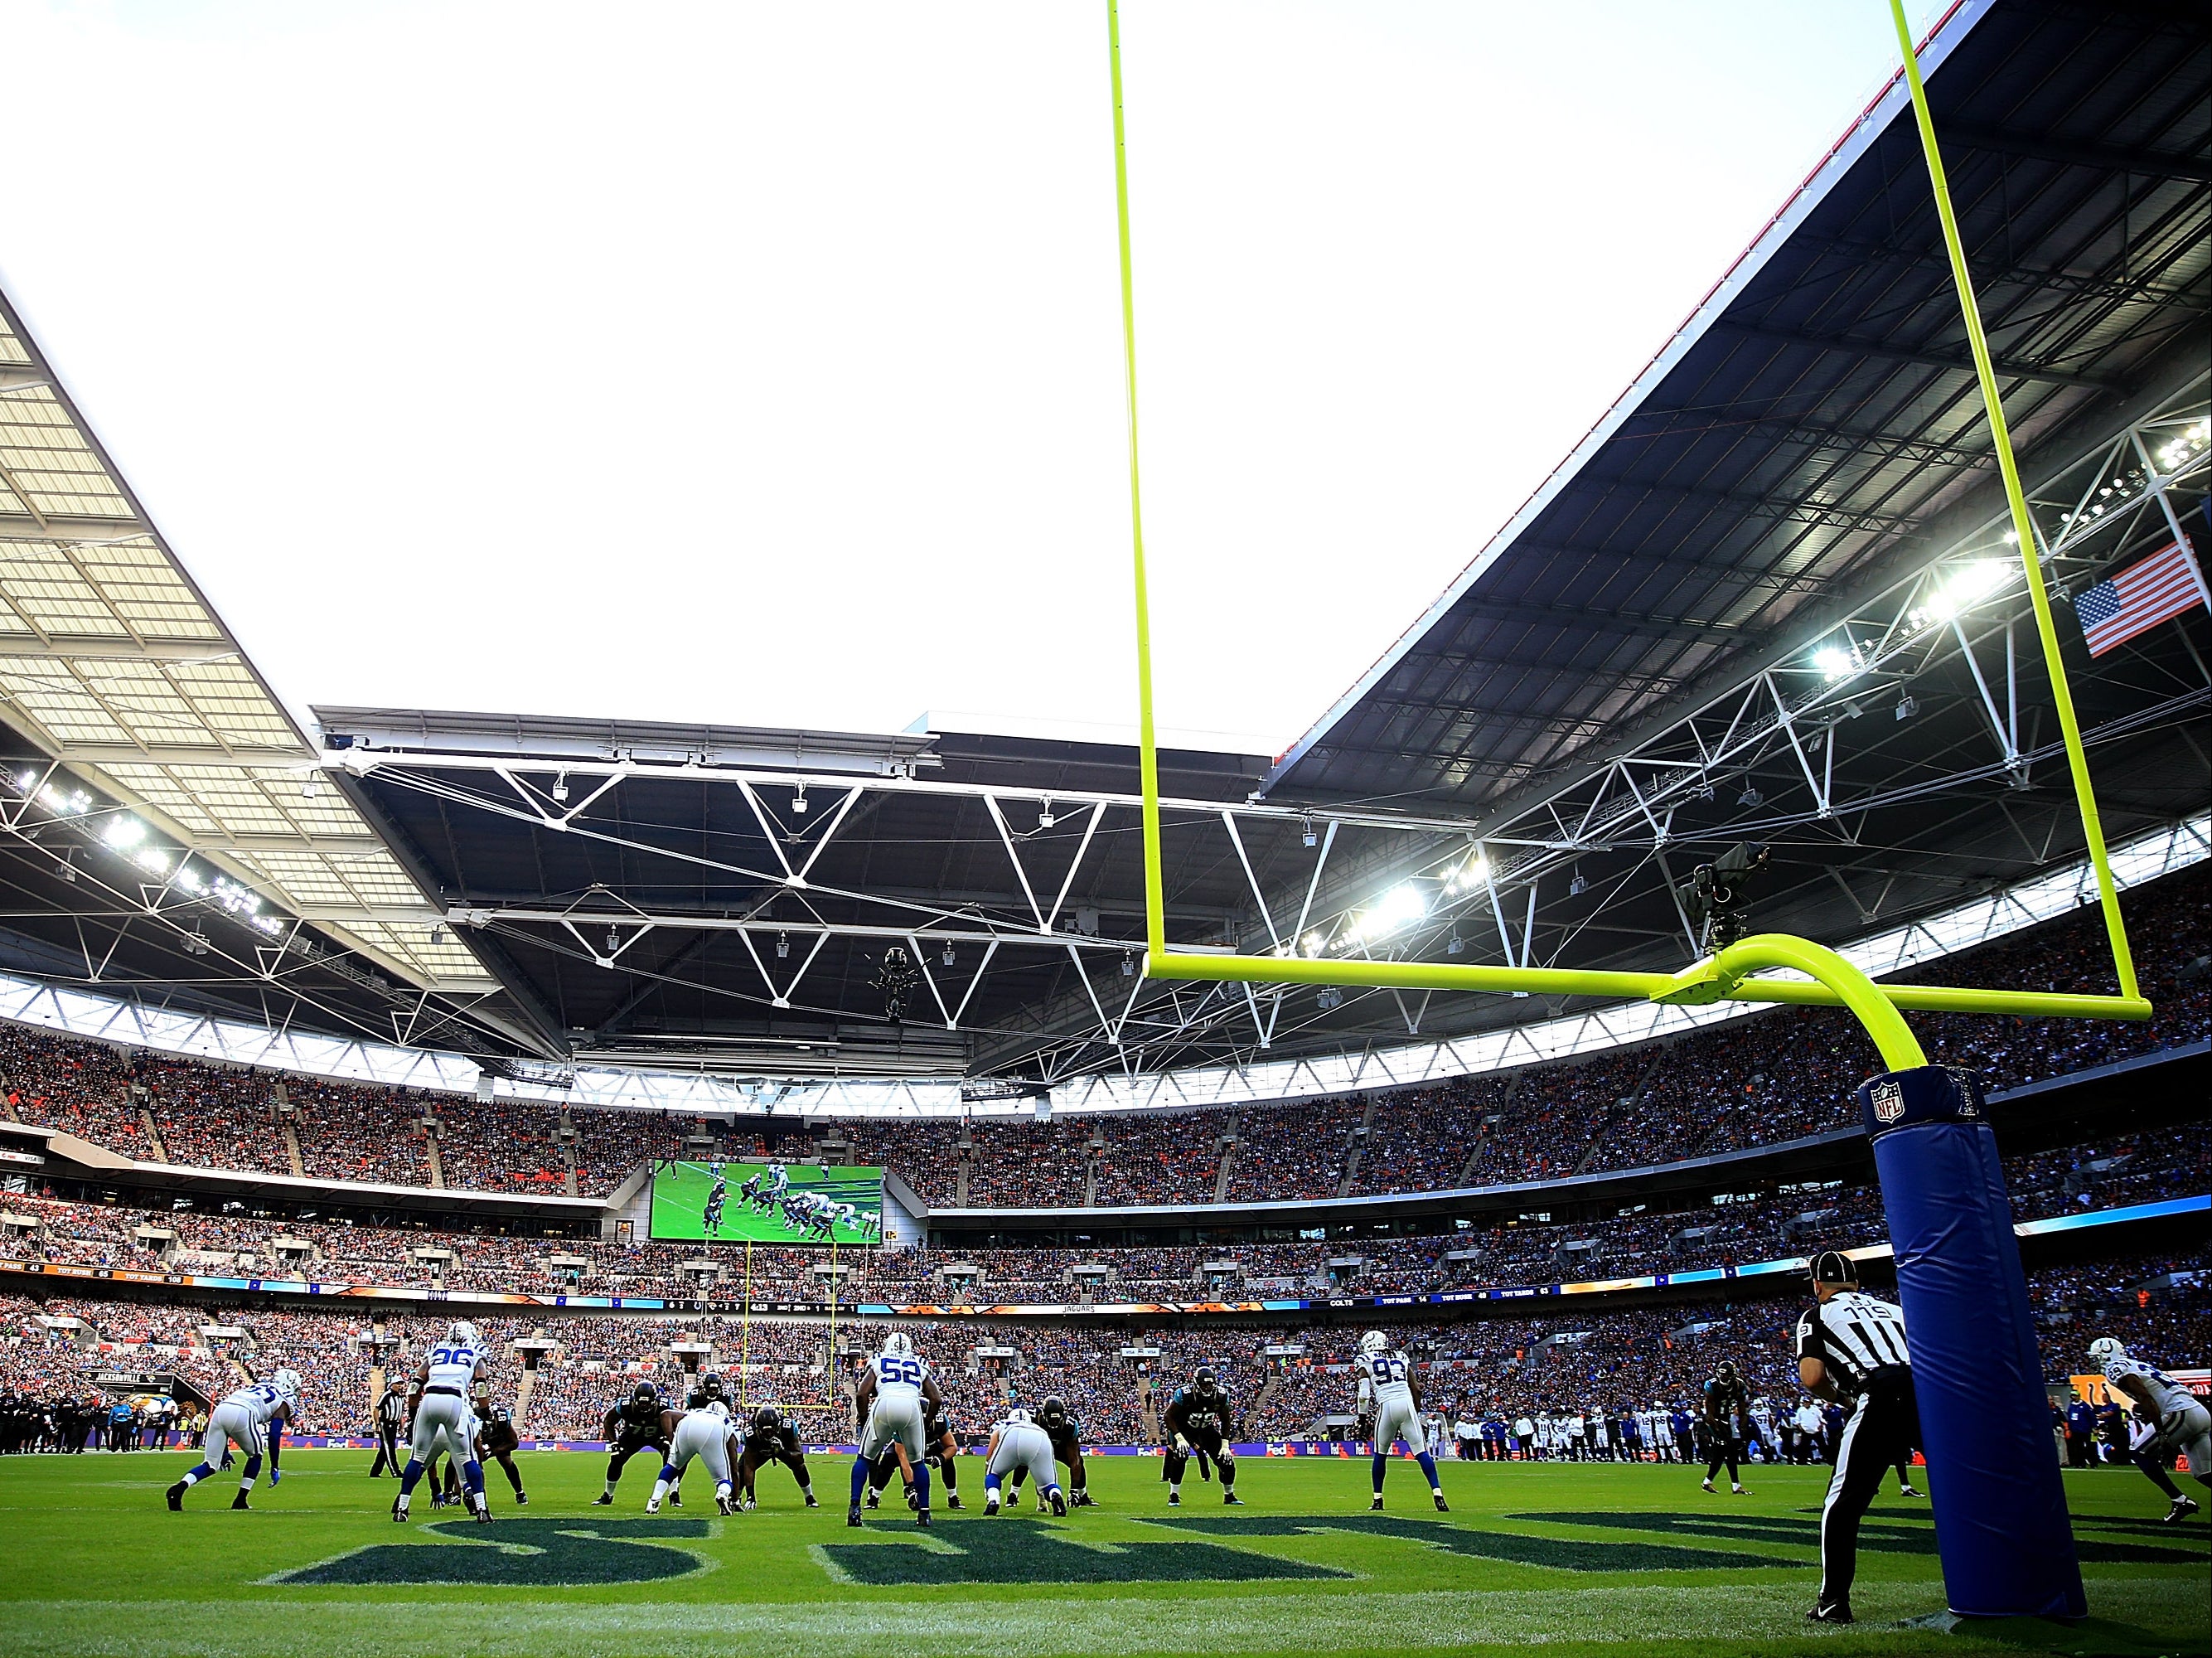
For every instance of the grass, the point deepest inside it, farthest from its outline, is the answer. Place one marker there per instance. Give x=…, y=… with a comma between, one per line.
x=94, y=1564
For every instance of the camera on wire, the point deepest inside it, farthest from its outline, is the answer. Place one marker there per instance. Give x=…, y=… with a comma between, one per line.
x=1717, y=898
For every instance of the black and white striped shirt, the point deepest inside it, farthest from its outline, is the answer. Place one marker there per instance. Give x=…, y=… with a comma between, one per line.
x=1853, y=1335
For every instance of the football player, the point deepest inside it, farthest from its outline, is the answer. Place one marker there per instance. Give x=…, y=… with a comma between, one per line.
x=941, y=1447
x=632, y=1426
x=772, y=1437
x=443, y=1421
x=1726, y=1420
x=710, y=1220
x=2176, y=1421
x=1064, y=1431
x=250, y=1418
x=498, y=1439
x=1391, y=1404
x=705, y=1434
x=1197, y=1425
x=888, y=1407
x=1017, y=1443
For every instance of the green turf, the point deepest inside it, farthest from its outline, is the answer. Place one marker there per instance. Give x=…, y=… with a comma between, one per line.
x=1576, y=1558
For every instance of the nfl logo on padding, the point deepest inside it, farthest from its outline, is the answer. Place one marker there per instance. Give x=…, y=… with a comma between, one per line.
x=1888, y=1102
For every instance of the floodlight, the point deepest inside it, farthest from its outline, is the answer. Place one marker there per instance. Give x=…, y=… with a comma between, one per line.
x=1455, y=944
x=561, y=786
x=1907, y=706
x=309, y=786
x=782, y=947
x=798, y=802
x=123, y=832
x=67, y=870
x=1306, y=832
x=614, y=941
x=1045, y=819
x=1833, y=664
x=1751, y=796
x=948, y=953
x=1577, y=887
x=438, y=934
x=1128, y=965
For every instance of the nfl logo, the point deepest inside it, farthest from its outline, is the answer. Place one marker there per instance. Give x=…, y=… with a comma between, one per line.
x=1888, y=1102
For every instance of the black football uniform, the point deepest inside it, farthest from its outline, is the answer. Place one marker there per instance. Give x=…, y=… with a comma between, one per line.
x=1066, y=1434
x=1200, y=1421
x=630, y=1427
x=761, y=1443
x=1727, y=1416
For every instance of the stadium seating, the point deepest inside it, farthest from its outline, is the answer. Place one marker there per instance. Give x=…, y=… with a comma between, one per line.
x=1752, y=1081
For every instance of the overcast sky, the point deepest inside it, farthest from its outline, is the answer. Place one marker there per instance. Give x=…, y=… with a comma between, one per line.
x=761, y=364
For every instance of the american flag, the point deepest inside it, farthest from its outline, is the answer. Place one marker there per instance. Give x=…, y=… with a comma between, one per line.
x=2153, y=590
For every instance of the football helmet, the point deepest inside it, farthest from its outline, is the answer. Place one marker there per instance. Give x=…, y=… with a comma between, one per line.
x=1374, y=1342
x=1205, y=1383
x=898, y=1343
x=710, y=1386
x=287, y=1382
x=1052, y=1412
x=1017, y=1416
x=2105, y=1349
x=644, y=1393
x=462, y=1333
x=1725, y=1369
x=768, y=1417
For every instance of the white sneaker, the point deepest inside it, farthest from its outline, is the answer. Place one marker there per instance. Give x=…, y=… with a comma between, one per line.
x=652, y=1505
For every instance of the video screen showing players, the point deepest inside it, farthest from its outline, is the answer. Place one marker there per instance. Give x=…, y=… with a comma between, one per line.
x=768, y=1203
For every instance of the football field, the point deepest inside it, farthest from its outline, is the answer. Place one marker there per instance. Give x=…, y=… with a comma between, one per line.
x=1579, y=1558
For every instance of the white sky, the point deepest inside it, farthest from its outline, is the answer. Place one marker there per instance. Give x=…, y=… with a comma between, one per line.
x=762, y=363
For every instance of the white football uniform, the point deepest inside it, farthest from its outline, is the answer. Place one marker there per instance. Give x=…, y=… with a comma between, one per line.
x=1024, y=1445
x=243, y=1420
x=704, y=1433
x=444, y=1419
x=1396, y=1415
x=2185, y=1426
x=896, y=1416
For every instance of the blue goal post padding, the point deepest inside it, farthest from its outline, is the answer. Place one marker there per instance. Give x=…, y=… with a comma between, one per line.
x=2000, y=1506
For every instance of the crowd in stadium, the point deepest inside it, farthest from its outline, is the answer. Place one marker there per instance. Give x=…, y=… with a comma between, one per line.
x=1598, y=1361
x=2122, y=1169
x=1751, y=1081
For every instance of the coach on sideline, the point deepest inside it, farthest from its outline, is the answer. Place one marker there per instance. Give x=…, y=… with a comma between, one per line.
x=1850, y=1348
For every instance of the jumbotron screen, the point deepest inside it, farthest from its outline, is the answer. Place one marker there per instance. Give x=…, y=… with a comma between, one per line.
x=768, y=1203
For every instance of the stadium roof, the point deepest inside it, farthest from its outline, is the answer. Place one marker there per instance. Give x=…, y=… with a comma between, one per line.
x=1766, y=598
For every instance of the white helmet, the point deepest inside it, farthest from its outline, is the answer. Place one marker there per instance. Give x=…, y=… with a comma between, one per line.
x=2105, y=1349
x=1016, y=1415
x=1374, y=1342
x=462, y=1333
x=287, y=1382
x=898, y=1342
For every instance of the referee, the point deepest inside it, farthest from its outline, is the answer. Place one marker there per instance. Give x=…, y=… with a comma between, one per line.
x=390, y=1417
x=1850, y=1348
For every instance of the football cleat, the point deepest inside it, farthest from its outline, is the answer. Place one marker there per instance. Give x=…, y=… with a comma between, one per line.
x=1442, y=1507
x=723, y=1505
x=398, y=1515
x=875, y=1499
x=176, y=1495
x=1706, y=1485
x=603, y=1499
x=2183, y=1508
x=1738, y=1491
x=240, y=1501
x=1231, y=1500
x=1082, y=1500
x=1174, y=1499
x=1375, y=1507
x=652, y=1505
x=1836, y=1612
x=484, y=1516
x=853, y=1514
x=1906, y=1491
x=522, y=1499
x=991, y=1506
x=812, y=1501
x=921, y=1516
x=675, y=1498
x=953, y=1501
x=1059, y=1505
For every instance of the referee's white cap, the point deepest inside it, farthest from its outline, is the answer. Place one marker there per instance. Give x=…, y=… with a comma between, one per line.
x=1833, y=1266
